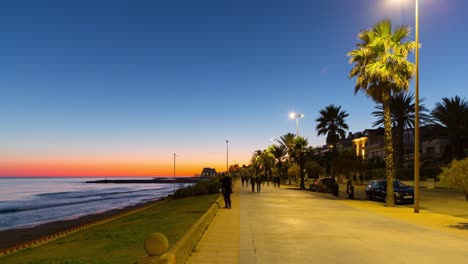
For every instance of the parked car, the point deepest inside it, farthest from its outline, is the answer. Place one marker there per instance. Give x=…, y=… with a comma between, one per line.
x=377, y=189
x=324, y=184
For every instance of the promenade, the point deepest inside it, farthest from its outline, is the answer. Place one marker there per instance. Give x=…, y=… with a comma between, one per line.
x=291, y=226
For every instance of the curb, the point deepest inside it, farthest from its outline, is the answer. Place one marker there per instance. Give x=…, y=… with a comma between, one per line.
x=183, y=248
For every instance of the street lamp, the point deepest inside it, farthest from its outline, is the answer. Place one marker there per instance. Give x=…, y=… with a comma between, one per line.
x=227, y=155
x=416, y=114
x=296, y=116
x=174, y=172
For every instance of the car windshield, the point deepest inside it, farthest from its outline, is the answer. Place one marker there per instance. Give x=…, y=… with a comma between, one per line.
x=399, y=184
x=396, y=184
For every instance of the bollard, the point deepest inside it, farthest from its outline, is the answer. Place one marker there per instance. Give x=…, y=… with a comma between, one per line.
x=155, y=246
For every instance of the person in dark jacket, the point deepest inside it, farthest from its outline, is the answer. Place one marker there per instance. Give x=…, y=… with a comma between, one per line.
x=226, y=186
x=253, y=180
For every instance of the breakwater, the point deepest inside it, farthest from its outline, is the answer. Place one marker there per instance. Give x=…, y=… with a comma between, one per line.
x=154, y=180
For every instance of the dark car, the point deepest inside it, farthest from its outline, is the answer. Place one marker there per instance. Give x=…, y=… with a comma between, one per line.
x=324, y=184
x=377, y=190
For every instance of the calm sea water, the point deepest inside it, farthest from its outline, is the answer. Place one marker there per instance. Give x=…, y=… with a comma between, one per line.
x=26, y=202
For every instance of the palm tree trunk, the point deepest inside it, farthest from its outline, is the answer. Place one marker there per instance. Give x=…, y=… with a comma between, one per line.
x=389, y=168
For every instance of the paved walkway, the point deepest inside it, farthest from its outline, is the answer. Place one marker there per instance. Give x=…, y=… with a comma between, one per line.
x=291, y=226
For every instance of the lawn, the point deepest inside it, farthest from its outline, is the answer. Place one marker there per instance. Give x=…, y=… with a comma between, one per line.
x=121, y=240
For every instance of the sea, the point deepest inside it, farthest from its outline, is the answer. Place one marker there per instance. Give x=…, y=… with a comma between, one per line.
x=28, y=202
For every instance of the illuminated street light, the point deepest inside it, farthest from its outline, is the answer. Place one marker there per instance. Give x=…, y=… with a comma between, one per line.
x=296, y=116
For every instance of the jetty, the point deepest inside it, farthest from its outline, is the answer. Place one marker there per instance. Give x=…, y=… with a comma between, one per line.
x=153, y=180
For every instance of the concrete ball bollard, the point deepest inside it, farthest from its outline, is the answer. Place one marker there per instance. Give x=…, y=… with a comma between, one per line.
x=156, y=244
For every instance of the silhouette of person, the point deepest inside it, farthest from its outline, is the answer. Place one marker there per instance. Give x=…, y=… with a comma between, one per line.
x=259, y=183
x=252, y=182
x=350, y=189
x=227, y=190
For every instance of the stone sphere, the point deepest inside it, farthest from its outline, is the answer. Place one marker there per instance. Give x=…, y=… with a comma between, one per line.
x=156, y=244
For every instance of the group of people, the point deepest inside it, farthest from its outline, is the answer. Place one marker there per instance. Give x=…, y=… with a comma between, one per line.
x=258, y=181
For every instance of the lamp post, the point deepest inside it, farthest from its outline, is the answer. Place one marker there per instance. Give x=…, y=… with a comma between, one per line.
x=296, y=116
x=416, y=114
x=416, y=111
x=174, y=172
x=227, y=155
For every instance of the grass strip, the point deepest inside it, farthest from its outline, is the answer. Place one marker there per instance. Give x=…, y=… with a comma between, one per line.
x=121, y=240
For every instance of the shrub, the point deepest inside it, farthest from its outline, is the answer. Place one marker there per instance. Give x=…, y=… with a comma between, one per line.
x=202, y=187
x=457, y=175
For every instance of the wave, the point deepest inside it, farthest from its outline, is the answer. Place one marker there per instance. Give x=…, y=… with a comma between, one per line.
x=77, y=195
x=44, y=206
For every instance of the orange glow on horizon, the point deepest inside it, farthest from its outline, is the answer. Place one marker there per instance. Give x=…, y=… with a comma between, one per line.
x=99, y=169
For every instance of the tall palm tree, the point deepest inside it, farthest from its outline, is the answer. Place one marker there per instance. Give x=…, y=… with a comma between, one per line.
x=402, y=110
x=381, y=69
x=279, y=153
x=332, y=123
x=287, y=141
x=299, y=156
x=453, y=114
x=262, y=160
x=256, y=161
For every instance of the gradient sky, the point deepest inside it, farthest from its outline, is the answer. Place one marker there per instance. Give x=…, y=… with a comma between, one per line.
x=114, y=88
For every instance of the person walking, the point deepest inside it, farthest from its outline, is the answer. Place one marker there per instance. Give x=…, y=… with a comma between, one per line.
x=259, y=183
x=252, y=182
x=226, y=186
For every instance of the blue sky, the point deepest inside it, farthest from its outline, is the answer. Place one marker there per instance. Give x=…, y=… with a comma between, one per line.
x=136, y=81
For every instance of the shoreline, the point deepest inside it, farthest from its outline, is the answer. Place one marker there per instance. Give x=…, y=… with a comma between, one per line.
x=17, y=236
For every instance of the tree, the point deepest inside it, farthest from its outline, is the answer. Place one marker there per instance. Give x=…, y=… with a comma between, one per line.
x=381, y=69
x=299, y=155
x=287, y=141
x=313, y=169
x=262, y=160
x=457, y=175
x=453, y=114
x=279, y=153
x=332, y=124
x=402, y=110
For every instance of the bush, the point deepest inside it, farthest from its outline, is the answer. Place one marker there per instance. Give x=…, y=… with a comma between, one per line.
x=457, y=175
x=202, y=187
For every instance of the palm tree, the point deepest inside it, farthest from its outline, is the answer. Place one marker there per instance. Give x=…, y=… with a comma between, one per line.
x=453, y=114
x=332, y=123
x=287, y=141
x=402, y=112
x=279, y=153
x=256, y=161
x=262, y=160
x=299, y=155
x=381, y=69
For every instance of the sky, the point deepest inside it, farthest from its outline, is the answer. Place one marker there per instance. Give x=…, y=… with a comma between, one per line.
x=115, y=88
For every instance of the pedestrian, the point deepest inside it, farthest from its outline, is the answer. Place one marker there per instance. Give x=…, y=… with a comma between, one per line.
x=259, y=183
x=350, y=189
x=226, y=186
x=252, y=182
x=242, y=180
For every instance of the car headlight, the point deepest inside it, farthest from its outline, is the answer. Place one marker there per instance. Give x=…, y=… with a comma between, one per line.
x=397, y=194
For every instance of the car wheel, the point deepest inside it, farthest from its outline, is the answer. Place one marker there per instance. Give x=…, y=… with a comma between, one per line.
x=369, y=196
